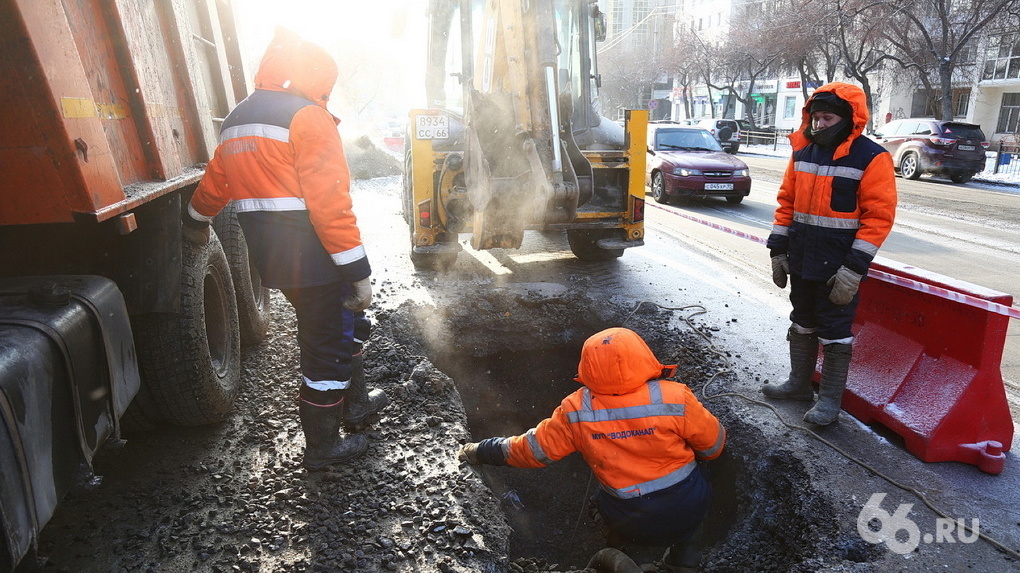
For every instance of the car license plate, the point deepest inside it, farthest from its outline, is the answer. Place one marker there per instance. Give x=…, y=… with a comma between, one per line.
x=718, y=186
x=966, y=147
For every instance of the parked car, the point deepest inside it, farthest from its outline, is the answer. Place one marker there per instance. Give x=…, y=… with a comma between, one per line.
x=725, y=131
x=948, y=148
x=689, y=162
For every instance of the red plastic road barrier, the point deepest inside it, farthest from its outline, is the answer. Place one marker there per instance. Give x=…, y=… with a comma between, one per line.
x=928, y=367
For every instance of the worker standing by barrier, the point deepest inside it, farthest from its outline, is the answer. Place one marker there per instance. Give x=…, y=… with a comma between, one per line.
x=281, y=160
x=837, y=203
x=640, y=434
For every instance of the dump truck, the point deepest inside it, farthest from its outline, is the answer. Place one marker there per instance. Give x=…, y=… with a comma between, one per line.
x=108, y=319
x=512, y=138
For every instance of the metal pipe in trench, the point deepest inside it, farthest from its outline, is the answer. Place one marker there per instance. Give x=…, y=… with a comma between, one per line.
x=611, y=560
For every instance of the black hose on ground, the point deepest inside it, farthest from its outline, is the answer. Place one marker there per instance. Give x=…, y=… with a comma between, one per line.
x=611, y=560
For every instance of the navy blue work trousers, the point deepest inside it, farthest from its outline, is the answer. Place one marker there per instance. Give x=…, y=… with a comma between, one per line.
x=662, y=518
x=813, y=309
x=325, y=331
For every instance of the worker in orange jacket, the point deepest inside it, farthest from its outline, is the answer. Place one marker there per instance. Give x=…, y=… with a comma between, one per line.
x=641, y=435
x=837, y=203
x=280, y=159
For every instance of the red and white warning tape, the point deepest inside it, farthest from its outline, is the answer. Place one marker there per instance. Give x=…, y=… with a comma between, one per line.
x=940, y=292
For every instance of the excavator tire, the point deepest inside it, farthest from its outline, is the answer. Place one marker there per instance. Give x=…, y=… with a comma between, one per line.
x=190, y=362
x=583, y=243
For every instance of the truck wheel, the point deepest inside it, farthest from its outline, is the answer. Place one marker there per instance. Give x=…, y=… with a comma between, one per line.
x=191, y=362
x=583, y=244
x=253, y=311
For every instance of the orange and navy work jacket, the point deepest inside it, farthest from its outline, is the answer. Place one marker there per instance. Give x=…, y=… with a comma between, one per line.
x=638, y=433
x=836, y=206
x=280, y=159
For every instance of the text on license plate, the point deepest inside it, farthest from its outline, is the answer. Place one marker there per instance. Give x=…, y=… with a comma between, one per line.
x=966, y=147
x=718, y=186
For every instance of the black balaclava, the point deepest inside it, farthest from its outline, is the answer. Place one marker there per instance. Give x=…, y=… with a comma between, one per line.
x=833, y=135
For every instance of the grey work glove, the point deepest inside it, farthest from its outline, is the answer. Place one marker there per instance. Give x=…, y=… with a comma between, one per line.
x=360, y=297
x=469, y=453
x=844, y=285
x=195, y=234
x=780, y=270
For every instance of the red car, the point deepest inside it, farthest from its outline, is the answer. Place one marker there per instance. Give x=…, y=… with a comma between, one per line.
x=688, y=162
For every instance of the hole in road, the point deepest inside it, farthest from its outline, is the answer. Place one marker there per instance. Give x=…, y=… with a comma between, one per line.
x=512, y=373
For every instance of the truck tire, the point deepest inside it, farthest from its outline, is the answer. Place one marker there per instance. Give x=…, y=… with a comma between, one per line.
x=253, y=312
x=583, y=244
x=190, y=362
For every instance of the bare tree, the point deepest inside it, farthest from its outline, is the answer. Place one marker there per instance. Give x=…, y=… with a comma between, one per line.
x=931, y=37
x=860, y=34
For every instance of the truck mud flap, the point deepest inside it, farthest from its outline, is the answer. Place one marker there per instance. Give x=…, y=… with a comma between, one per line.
x=67, y=373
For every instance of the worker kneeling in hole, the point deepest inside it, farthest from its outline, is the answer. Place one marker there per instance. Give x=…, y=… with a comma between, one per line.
x=641, y=435
x=281, y=161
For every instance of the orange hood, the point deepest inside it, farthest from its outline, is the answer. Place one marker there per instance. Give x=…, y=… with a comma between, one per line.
x=853, y=95
x=618, y=361
x=293, y=65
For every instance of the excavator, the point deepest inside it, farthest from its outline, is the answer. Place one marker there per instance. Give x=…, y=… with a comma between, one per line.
x=512, y=138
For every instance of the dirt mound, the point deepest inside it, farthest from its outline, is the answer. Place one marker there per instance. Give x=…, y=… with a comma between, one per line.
x=367, y=161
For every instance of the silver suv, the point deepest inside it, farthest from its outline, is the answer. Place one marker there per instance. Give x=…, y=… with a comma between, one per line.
x=726, y=131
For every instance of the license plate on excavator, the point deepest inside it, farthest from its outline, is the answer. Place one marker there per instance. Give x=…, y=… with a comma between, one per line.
x=429, y=126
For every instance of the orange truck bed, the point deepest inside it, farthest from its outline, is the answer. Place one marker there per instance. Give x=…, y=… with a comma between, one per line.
x=109, y=103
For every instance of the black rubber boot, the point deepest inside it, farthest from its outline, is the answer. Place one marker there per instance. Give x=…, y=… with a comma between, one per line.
x=363, y=406
x=803, y=355
x=835, y=366
x=323, y=444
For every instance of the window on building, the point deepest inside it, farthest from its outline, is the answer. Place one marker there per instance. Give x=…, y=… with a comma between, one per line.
x=1009, y=114
x=790, y=107
x=1002, y=60
x=928, y=104
x=639, y=13
x=618, y=18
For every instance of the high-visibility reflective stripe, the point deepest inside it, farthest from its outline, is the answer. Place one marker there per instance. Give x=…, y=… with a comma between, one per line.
x=326, y=384
x=780, y=230
x=588, y=414
x=256, y=130
x=716, y=446
x=827, y=222
x=829, y=170
x=349, y=256
x=655, y=392
x=198, y=216
x=865, y=247
x=270, y=204
x=536, y=448
x=676, y=476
